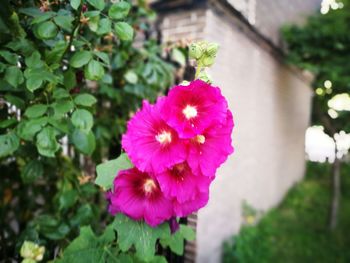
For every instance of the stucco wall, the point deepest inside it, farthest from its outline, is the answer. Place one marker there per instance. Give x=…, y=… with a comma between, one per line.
x=271, y=108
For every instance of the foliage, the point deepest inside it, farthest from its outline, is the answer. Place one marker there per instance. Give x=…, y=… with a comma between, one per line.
x=322, y=46
x=71, y=73
x=296, y=231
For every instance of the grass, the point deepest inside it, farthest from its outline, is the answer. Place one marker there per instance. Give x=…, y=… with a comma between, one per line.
x=297, y=231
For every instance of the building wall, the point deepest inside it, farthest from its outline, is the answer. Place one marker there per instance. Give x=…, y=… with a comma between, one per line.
x=271, y=107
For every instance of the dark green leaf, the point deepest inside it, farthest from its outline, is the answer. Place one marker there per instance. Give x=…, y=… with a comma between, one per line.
x=83, y=216
x=103, y=56
x=16, y=101
x=43, y=17
x=84, y=142
x=75, y=4
x=104, y=26
x=9, y=57
x=27, y=129
x=32, y=171
x=31, y=11
x=14, y=76
x=98, y=4
x=34, y=60
x=60, y=93
x=86, y=100
x=61, y=108
x=140, y=235
x=82, y=119
x=65, y=22
x=94, y=70
x=67, y=199
x=80, y=59
x=33, y=84
x=8, y=144
x=7, y=123
x=124, y=31
x=46, y=30
x=107, y=171
x=46, y=142
x=69, y=79
x=119, y=10
x=36, y=111
x=176, y=241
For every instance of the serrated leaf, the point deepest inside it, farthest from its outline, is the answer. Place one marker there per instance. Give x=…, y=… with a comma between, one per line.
x=87, y=247
x=35, y=111
x=119, y=10
x=140, y=235
x=80, y=59
x=176, y=241
x=82, y=119
x=86, y=100
x=46, y=142
x=107, y=171
x=32, y=171
x=124, y=31
x=94, y=70
x=84, y=142
x=98, y=4
x=8, y=144
x=14, y=76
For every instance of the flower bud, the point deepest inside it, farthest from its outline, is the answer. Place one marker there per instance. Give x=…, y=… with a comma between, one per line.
x=207, y=61
x=212, y=49
x=205, y=77
x=195, y=51
x=32, y=252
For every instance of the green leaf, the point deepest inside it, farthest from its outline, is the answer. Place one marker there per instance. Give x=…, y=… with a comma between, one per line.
x=124, y=31
x=140, y=235
x=9, y=57
x=83, y=215
x=65, y=22
x=61, y=108
x=14, y=76
x=7, y=123
x=131, y=77
x=46, y=30
x=33, y=84
x=93, y=23
x=69, y=79
x=8, y=144
x=84, y=142
x=60, y=93
x=16, y=101
x=98, y=4
x=103, y=56
x=46, y=142
x=107, y=171
x=34, y=60
x=80, y=59
x=119, y=10
x=178, y=56
x=59, y=124
x=36, y=111
x=32, y=171
x=67, y=199
x=104, y=26
x=75, y=4
x=86, y=100
x=94, y=70
x=176, y=241
x=43, y=17
x=27, y=129
x=82, y=119
x=87, y=247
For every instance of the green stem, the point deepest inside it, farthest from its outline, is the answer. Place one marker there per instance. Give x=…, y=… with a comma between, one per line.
x=198, y=71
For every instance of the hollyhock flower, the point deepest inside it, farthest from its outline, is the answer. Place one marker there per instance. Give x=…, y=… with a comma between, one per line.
x=208, y=150
x=187, y=208
x=179, y=182
x=138, y=195
x=150, y=142
x=191, y=109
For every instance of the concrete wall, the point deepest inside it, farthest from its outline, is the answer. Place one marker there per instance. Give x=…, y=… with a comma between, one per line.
x=271, y=107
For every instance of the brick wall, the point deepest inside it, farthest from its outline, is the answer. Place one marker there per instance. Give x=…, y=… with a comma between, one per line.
x=271, y=107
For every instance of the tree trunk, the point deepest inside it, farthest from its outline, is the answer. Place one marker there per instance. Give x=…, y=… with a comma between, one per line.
x=336, y=194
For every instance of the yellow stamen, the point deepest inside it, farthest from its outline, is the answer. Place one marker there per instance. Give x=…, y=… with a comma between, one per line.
x=200, y=139
x=149, y=186
x=164, y=137
x=190, y=112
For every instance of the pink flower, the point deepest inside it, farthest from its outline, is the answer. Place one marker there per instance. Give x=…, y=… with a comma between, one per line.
x=187, y=208
x=150, y=142
x=208, y=150
x=180, y=183
x=193, y=108
x=138, y=195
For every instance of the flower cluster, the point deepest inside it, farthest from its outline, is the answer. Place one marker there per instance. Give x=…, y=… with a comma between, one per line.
x=176, y=146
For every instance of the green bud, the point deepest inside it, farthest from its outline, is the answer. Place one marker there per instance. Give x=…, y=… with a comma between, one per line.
x=32, y=252
x=195, y=51
x=205, y=77
x=212, y=49
x=207, y=61
x=28, y=260
x=185, y=83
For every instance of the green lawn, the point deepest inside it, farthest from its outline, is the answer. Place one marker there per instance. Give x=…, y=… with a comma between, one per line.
x=297, y=231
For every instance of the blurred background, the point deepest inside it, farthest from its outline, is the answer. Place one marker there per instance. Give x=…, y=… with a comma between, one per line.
x=284, y=67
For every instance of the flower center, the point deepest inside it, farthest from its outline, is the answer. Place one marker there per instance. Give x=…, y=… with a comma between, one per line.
x=163, y=137
x=149, y=185
x=190, y=112
x=200, y=139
